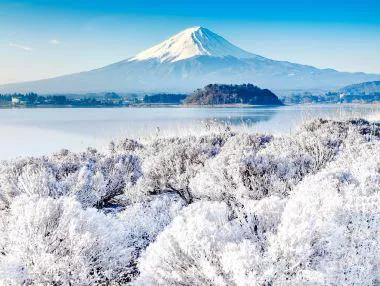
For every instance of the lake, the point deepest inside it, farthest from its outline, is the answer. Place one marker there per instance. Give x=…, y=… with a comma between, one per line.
x=45, y=130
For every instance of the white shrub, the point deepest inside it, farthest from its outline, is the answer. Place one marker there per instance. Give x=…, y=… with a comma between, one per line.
x=200, y=245
x=256, y=167
x=92, y=177
x=169, y=164
x=326, y=235
x=329, y=234
x=56, y=242
x=221, y=179
x=227, y=208
x=146, y=219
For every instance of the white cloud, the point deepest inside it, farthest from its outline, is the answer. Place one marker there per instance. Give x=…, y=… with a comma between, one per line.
x=54, y=42
x=22, y=47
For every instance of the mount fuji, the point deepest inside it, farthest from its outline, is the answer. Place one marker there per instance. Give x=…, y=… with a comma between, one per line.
x=188, y=60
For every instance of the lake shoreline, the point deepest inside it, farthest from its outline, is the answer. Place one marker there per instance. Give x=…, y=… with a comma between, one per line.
x=237, y=106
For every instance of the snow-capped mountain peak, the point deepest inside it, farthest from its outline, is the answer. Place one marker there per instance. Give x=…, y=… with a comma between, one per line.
x=195, y=41
x=175, y=66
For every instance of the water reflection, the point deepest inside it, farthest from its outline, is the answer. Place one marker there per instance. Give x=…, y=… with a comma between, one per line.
x=246, y=116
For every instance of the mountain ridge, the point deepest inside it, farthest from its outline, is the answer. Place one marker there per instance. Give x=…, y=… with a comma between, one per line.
x=366, y=88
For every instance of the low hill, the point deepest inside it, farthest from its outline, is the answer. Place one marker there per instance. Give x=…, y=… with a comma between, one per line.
x=214, y=94
x=366, y=88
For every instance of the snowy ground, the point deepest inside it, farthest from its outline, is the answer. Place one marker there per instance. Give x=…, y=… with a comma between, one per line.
x=225, y=207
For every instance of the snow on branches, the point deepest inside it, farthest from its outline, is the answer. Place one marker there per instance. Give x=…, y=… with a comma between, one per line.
x=225, y=208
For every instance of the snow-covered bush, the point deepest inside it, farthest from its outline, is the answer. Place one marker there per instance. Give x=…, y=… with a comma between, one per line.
x=97, y=182
x=92, y=177
x=223, y=208
x=125, y=145
x=285, y=161
x=325, y=233
x=169, y=164
x=329, y=233
x=201, y=245
x=256, y=169
x=56, y=242
x=146, y=219
x=27, y=176
x=221, y=177
x=266, y=168
x=276, y=168
x=187, y=252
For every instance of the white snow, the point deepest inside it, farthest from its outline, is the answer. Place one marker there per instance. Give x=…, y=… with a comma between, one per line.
x=195, y=41
x=224, y=208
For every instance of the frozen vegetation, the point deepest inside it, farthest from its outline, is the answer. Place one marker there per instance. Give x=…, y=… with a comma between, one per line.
x=227, y=207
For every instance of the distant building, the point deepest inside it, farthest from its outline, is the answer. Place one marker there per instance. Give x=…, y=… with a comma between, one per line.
x=15, y=100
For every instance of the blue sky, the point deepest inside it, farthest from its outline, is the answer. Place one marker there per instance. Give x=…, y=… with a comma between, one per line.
x=40, y=39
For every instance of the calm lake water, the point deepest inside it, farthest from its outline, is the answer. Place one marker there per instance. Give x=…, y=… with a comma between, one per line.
x=30, y=132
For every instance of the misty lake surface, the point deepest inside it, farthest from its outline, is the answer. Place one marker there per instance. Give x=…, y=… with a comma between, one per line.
x=39, y=131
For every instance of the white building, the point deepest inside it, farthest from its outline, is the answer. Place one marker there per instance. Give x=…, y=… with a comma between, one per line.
x=15, y=100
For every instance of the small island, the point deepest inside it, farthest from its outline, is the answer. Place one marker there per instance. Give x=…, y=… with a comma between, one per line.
x=224, y=94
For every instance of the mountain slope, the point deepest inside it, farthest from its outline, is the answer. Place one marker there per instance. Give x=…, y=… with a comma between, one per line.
x=193, y=58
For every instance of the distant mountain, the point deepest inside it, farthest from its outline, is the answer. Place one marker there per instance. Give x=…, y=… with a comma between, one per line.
x=195, y=57
x=365, y=88
x=214, y=94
